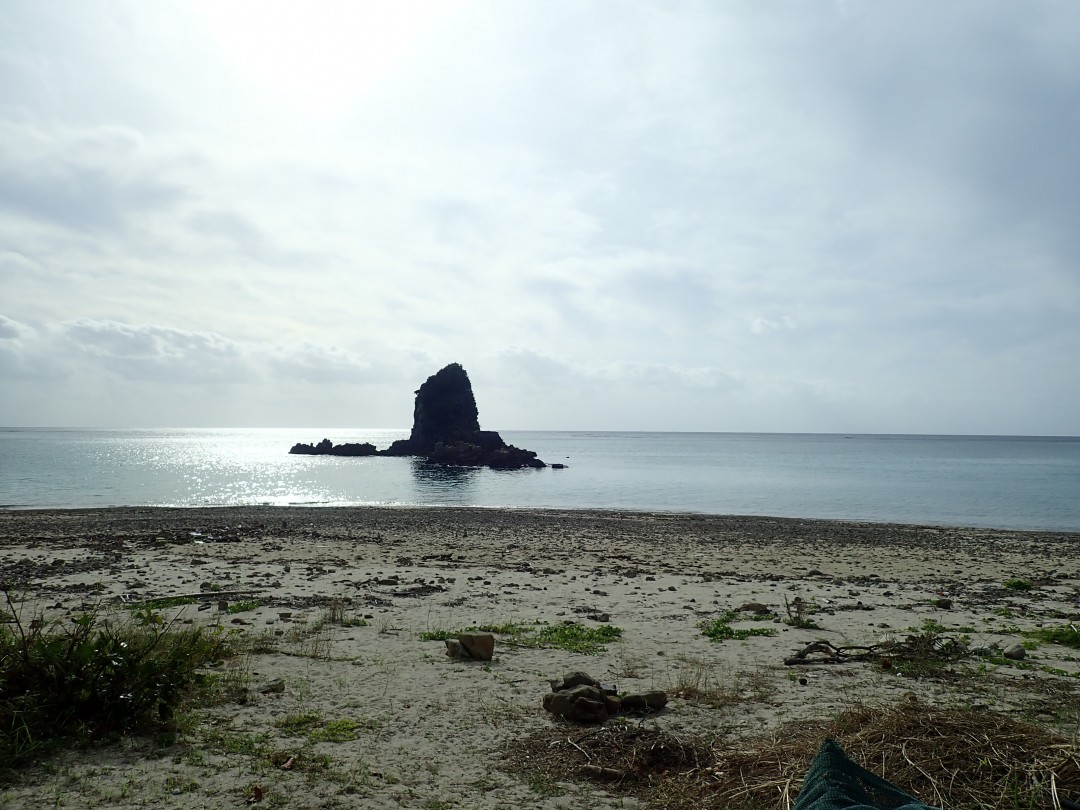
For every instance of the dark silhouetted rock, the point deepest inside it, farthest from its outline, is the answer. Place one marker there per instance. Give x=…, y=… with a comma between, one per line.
x=328, y=448
x=445, y=411
x=446, y=430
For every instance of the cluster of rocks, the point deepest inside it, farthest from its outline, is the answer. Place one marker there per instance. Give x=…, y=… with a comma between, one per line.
x=446, y=430
x=582, y=699
x=328, y=448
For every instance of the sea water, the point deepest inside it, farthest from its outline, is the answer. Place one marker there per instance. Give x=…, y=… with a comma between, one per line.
x=999, y=481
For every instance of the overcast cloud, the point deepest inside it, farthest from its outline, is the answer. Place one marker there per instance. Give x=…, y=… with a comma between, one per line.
x=747, y=216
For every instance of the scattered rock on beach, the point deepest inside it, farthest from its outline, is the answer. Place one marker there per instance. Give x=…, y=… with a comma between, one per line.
x=582, y=704
x=471, y=647
x=580, y=698
x=572, y=679
x=1015, y=652
x=645, y=702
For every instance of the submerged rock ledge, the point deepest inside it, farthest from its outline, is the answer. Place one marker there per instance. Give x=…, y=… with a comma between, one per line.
x=446, y=430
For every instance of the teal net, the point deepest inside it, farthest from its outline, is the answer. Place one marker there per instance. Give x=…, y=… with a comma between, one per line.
x=834, y=782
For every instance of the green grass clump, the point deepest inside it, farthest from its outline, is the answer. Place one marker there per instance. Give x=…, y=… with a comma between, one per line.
x=570, y=636
x=444, y=635
x=165, y=602
x=720, y=629
x=1067, y=635
x=1019, y=584
x=339, y=731
x=249, y=745
x=243, y=606
x=92, y=679
x=299, y=724
x=577, y=637
x=310, y=724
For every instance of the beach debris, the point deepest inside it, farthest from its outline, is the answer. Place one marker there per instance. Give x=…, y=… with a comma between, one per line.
x=955, y=757
x=580, y=698
x=593, y=613
x=471, y=647
x=920, y=648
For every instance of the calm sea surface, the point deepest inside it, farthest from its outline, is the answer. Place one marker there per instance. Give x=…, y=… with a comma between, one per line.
x=1005, y=482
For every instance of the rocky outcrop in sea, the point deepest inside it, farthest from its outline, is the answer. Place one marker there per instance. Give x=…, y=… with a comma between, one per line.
x=446, y=430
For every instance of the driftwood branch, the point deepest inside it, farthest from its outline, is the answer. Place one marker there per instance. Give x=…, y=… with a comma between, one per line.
x=827, y=653
x=925, y=647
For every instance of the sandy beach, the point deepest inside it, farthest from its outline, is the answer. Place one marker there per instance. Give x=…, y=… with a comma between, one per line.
x=340, y=599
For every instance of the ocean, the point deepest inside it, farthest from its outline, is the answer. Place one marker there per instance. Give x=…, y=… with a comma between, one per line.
x=985, y=481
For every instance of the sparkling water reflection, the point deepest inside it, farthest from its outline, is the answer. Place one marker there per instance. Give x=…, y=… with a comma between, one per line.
x=1008, y=482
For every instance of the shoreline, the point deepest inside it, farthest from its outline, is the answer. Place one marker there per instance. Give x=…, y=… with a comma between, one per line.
x=542, y=510
x=431, y=729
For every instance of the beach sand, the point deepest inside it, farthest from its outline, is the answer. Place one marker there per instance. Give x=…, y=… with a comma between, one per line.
x=431, y=732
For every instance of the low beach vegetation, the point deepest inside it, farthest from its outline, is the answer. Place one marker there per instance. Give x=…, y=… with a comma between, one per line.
x=164, y=603
x=1067, y=635
x=93, y=677
x=720, y=629
x=798, y=613
x=701, y=681
x=569, y=636
x=337, y=613
x=1017, y=584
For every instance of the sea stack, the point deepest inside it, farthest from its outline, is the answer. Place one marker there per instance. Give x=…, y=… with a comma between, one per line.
x=446, y=430
x=444, y=413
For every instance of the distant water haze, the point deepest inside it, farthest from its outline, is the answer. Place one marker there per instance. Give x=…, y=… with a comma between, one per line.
x=1000, y=482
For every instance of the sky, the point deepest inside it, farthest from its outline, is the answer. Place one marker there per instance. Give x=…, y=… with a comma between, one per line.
x=844, y=216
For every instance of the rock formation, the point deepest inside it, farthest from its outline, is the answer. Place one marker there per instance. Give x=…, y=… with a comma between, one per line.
x=581, y=699
x=446, y=430
x=328, y=448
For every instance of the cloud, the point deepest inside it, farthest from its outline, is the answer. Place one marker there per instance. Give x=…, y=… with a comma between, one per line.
x=762, y=326
x=159, y=354
x=307, y=363
x=12, y=330
x=702, y=216
x=26, y=353
x=95, y=179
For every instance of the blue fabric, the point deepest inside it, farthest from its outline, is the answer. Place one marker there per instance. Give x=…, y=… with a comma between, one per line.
x=834, y=782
